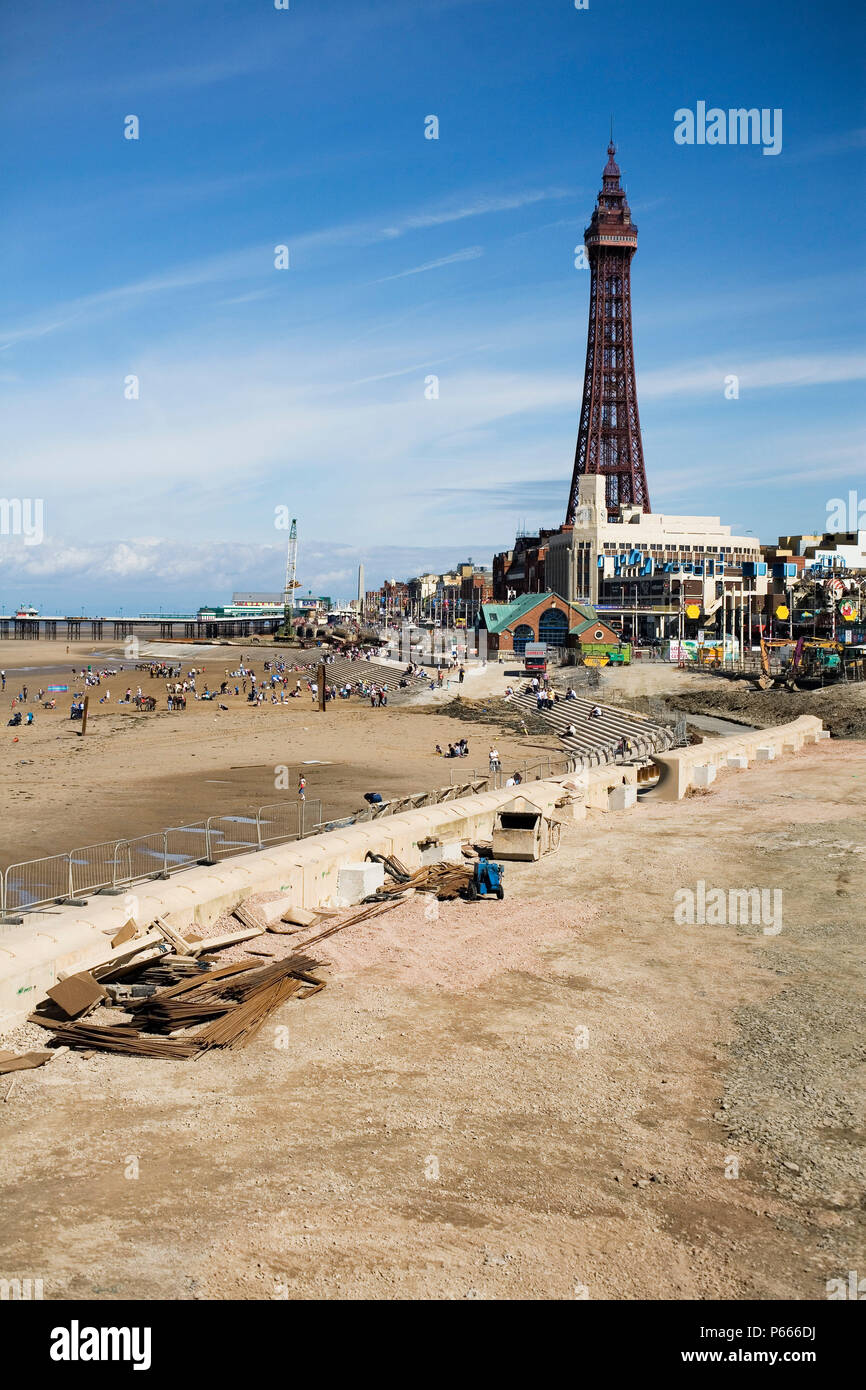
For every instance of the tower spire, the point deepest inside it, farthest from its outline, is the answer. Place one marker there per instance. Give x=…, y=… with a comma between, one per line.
x=609, y=438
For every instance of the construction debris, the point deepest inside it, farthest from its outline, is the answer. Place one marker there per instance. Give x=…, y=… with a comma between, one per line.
x=227, y=1011
x=444, y=879
x=231, y=938
x=299, y=917
x=172, y=937
x=362, y=915
x=24, y=1062
x=77, y=994
x=127, y=932
x=273, y=912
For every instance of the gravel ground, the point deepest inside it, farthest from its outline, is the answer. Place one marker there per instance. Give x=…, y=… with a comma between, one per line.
x=475, y=1109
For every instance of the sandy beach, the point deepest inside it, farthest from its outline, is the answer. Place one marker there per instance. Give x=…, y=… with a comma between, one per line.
x=136, y=772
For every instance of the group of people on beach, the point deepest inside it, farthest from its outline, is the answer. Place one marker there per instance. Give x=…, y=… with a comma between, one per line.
x=460, y=749
x=275, y=686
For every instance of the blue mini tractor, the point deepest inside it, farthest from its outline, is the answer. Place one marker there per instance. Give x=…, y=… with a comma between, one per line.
x=486, y=881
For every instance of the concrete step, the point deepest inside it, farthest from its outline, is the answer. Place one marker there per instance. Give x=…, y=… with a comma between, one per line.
x=597, y=738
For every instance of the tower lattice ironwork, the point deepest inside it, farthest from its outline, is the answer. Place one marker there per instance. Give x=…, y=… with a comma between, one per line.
x=609, y=439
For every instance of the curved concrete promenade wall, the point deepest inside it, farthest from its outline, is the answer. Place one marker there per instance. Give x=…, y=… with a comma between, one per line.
x=70, y=939
x=680, y=769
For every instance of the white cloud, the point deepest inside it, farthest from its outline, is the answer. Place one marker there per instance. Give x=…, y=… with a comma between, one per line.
x=257, y=260
x=470, y=253
x=771, y=373
x=477, y=208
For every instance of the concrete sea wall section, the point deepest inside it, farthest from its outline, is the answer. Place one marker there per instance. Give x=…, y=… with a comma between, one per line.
x=696, y=767
x=67, y=939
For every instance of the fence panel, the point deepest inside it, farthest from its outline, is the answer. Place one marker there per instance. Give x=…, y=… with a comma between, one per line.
x=36, y=882
x=185, y=844
x=232, y=835
x=142, y=857
x=311, y=816
x=93, y=867
x=279, y=821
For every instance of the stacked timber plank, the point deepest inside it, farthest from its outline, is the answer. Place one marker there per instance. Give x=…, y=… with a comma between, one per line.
x=444, y=879
x=226, y=1007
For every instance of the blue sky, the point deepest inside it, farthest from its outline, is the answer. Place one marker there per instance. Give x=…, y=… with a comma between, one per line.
x=409, y=257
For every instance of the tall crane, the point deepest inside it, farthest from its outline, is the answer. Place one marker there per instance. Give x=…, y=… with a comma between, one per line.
x=291, y=569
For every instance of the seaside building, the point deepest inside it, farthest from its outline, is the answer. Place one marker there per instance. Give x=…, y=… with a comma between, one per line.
x=265, y=605
x=544, y=618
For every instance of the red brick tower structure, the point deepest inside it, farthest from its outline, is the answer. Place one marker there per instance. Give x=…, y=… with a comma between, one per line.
x=609, y=439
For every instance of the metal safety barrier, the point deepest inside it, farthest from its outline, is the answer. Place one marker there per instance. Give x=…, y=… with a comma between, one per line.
x=281, y=821
x=115, y=864
x=36, y=882
x=185, y=845
x=232, y=835
x=112, y=865
x=140, y=858
x=93, y=867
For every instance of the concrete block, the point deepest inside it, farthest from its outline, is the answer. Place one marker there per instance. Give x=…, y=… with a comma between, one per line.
x=737, y=760
x=622, y=798
x=272, y=912
x=703, y=775
x=452, y=851
x=432, y=855
x=765, y=753
x=821, y=735
x=356, y=881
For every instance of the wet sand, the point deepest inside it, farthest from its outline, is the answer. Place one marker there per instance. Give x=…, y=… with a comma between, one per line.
x=134, y=773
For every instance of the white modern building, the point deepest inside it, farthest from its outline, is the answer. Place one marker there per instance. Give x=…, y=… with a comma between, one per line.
x=642, y=568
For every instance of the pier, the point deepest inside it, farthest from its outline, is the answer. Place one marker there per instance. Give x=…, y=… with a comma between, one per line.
x=149, y=627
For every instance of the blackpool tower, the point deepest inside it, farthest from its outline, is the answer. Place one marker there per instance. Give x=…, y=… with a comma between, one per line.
x=609, y=440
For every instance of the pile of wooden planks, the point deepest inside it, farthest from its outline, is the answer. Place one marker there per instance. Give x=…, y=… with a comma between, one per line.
x=226, y=1006
x=445, y=880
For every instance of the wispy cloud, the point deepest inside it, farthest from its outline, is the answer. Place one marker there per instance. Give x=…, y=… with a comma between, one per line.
x=478, y=207
x=470, y=253
x=772, y=373
x=230, y=265
x=133, y=568
x=258, y=260
x=826, y=146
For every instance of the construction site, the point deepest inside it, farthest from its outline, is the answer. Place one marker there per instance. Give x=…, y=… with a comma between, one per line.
x=433, y=822
x=455, y=1042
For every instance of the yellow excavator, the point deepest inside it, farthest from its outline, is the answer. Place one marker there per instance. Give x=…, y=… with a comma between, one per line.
x=813, y=659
